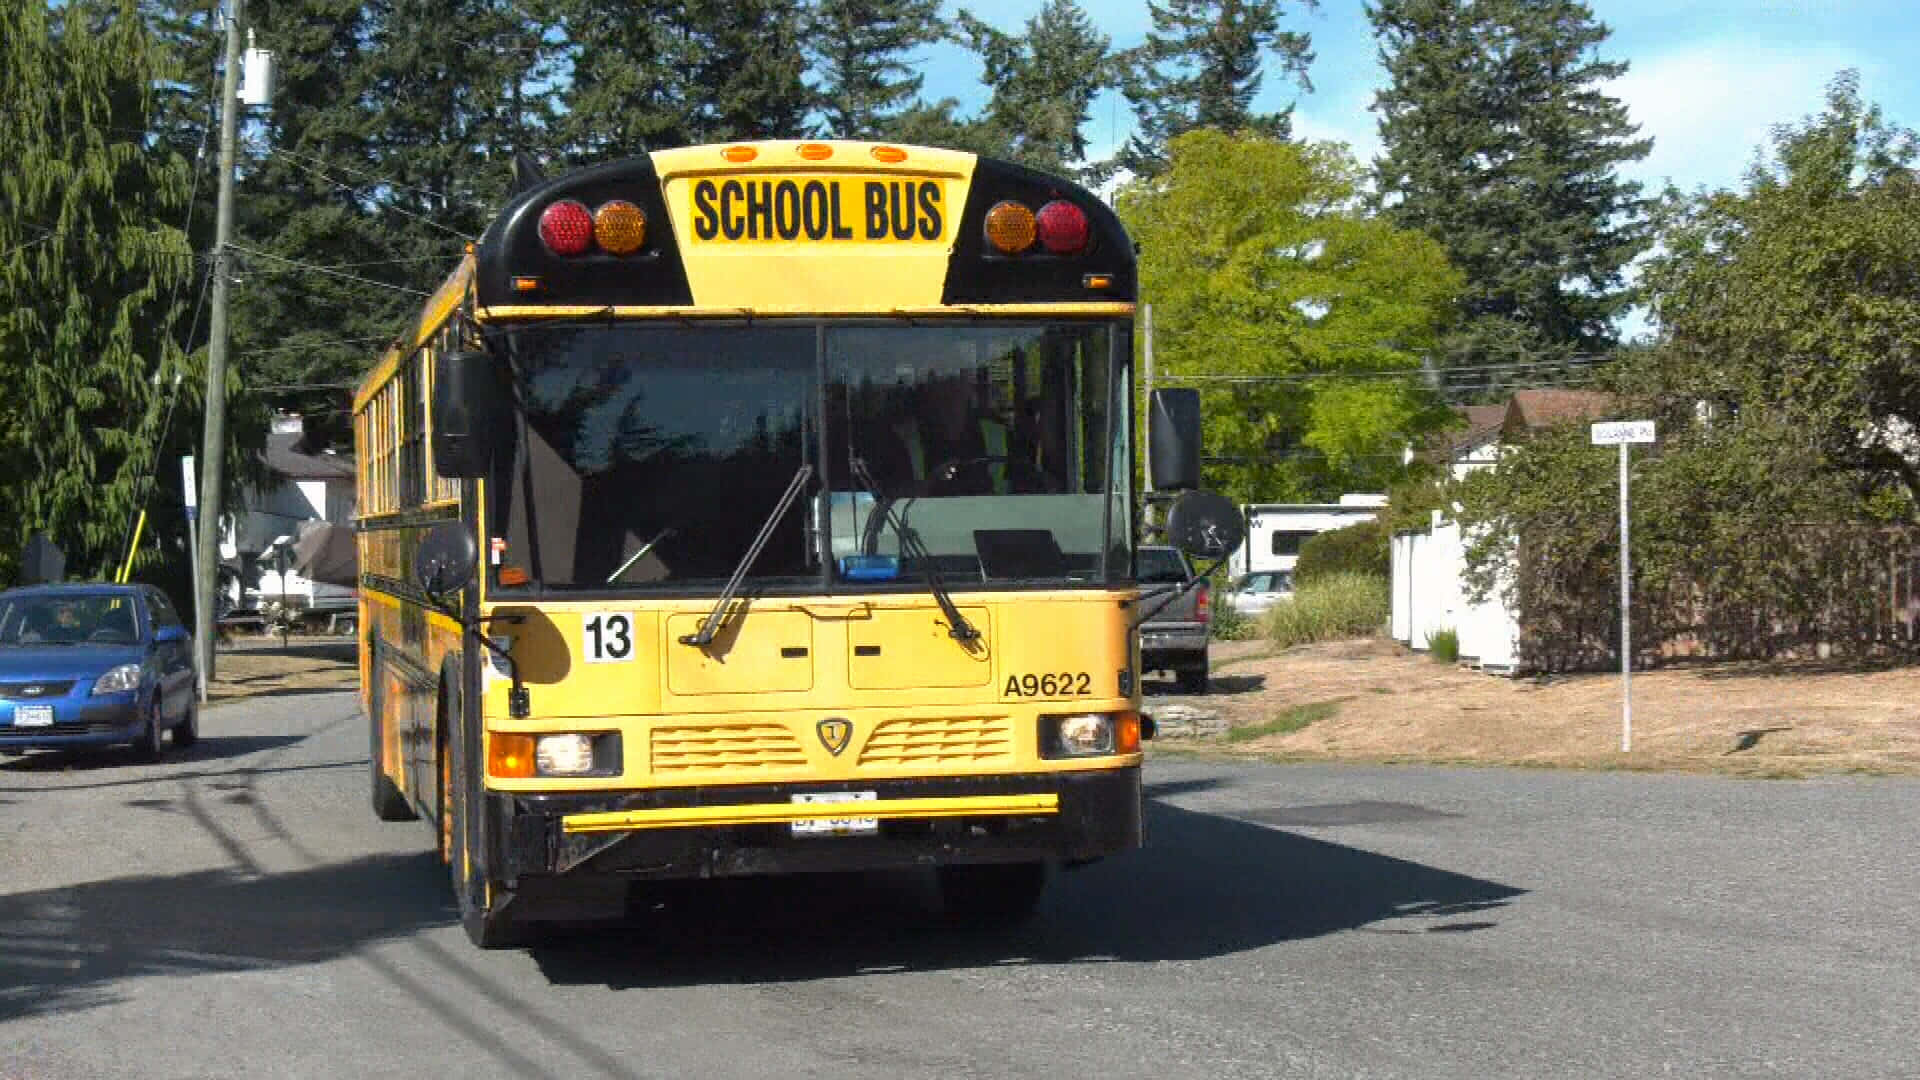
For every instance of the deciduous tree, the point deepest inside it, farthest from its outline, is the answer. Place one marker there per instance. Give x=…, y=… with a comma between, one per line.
x=1260, y=263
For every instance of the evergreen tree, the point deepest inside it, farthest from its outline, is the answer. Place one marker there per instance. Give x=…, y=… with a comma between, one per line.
x=861, y=56
x=626, y=93
x=91, y=258
x=746, y=71
x=1043, y=82
x=940, y=124
x=1201, y=67
x=1502, y=144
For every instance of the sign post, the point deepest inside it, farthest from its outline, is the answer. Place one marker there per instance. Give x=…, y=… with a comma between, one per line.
x=1624, y=433
x=193, y=544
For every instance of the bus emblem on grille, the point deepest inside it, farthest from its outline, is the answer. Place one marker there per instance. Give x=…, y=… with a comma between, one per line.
x=34, y=690
x=834, y=734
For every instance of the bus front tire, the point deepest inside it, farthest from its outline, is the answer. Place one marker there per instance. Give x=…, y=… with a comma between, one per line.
x=991, y=894
x=487, y=925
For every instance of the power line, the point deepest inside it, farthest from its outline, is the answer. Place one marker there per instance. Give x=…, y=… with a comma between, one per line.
x=273, y=151
x=282, y=388
x=376, y=339
x=388, y=204
x=311, y=268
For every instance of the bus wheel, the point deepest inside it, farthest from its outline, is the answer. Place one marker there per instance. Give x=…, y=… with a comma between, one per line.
x=991, y=894
x=389, y=802
x=481, y=914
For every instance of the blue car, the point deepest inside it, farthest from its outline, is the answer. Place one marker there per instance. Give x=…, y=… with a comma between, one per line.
x=94, y=665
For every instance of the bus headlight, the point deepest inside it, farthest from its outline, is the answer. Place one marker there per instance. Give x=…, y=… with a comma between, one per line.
x=1089, y=734
x=514, y=756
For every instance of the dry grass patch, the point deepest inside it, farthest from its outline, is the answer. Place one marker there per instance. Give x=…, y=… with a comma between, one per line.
x=1741, y=719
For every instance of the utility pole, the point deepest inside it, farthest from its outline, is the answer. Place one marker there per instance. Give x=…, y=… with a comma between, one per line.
x=213, y=442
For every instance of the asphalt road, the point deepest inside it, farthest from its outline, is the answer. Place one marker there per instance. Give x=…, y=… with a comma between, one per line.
x=236, y=911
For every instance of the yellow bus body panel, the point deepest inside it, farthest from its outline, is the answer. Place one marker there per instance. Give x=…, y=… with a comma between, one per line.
x=749, y=710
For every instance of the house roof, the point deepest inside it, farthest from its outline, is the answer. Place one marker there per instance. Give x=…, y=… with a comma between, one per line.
x=1531, y=410
x=1481, y=425
x=288, y=454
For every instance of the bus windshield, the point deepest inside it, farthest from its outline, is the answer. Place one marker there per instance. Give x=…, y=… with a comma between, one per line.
x=652, y=454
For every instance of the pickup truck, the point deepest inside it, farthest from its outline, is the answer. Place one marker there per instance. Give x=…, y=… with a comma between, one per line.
x=1175, y=637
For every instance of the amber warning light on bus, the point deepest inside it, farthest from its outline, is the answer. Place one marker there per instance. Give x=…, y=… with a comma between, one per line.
x=618, y=227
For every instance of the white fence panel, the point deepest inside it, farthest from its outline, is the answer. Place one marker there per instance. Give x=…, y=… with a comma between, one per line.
x=1430, y=595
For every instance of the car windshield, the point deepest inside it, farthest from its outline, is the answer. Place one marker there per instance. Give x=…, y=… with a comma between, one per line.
x=87, y=619
x=652, y=455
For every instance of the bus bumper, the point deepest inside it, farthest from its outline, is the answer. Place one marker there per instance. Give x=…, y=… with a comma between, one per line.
x=736, y=831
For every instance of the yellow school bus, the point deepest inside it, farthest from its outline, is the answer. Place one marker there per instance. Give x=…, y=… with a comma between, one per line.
x=761, y=508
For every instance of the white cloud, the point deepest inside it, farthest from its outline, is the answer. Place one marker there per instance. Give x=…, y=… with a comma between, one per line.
x=1708, y=105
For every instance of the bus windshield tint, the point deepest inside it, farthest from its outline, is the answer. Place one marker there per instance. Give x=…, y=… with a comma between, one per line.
x=651, y=454
x=1000, y=446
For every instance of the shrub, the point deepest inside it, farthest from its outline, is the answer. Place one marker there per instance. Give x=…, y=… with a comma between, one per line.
x=1444, y=646
x=1329, y=608
x=1356, y=549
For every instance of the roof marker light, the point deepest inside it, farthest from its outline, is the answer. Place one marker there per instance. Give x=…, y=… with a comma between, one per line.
x=892, y=155
x=814, y=151
x=739, y=153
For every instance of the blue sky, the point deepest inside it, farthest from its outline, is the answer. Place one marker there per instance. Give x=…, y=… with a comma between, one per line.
x=1708, y=77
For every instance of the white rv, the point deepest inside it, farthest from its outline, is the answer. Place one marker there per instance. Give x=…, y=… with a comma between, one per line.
x=1275, y=531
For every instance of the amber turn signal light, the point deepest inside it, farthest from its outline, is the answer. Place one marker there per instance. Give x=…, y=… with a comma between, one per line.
x=509, y=757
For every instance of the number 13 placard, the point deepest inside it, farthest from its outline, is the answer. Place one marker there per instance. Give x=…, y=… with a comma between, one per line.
x=607, y=637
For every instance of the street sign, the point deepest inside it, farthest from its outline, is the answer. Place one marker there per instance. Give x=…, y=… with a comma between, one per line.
x=1623, y=432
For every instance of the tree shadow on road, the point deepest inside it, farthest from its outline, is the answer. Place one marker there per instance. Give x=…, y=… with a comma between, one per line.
x=61, y=949
x=209, y=748
x=1205, y=886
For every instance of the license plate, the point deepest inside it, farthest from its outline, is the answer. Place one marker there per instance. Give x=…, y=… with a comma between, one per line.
x=847, y=826
x=33, y=716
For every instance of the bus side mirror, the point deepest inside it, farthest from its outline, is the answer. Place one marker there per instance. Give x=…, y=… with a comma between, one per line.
x=1173, y=445
x=446, y=561
x=1205, y=525
x=469, y=412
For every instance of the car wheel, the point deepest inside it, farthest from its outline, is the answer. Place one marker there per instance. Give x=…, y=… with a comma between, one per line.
x=187, y=731
x=991, y=894
x=148, y=746
x=1193, y=680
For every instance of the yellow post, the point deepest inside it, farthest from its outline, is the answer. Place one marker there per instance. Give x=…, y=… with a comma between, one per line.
x=126, y=571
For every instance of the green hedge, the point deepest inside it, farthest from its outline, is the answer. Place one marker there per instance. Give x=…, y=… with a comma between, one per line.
x=1357, y=549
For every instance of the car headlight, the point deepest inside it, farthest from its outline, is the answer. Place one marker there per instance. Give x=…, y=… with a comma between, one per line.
x=1089, y=734
x=119, y=680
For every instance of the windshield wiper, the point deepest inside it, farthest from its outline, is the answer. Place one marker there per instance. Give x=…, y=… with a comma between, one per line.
x=958, y=627
x=705, y=636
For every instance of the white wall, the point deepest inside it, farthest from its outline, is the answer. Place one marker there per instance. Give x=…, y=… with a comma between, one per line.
x=1429, y=596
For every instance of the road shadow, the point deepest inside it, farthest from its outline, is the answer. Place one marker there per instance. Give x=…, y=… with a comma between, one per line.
x=1220, y=685
x=61, y=949
x=1205, y=886
x=337, y=650
x=210, y=748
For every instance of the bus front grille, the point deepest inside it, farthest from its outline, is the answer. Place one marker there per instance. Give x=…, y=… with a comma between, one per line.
x=712, y=748
x=946, y=740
